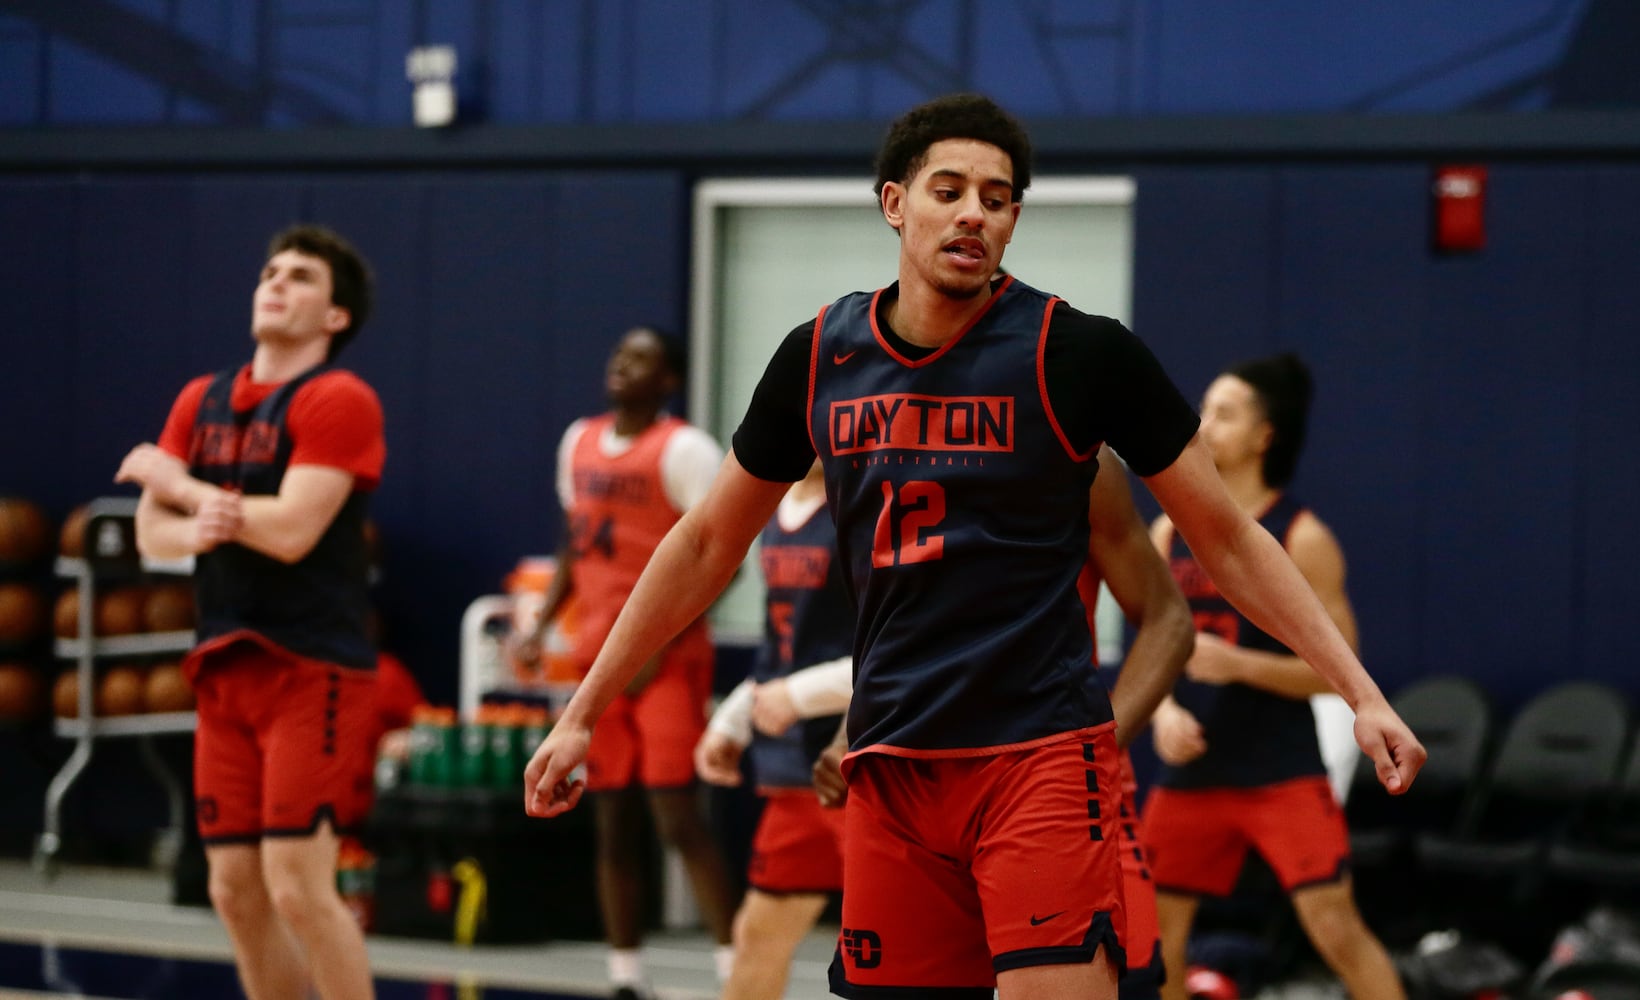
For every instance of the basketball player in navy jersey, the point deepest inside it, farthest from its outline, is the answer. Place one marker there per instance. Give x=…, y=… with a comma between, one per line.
x=785, y=713
x=1121, y=556
x=959, y=419
x=1243, y=768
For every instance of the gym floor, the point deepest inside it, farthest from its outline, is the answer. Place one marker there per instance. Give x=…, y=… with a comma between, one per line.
x=112, y=934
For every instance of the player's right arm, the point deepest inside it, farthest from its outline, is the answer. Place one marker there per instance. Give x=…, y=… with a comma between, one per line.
x=527, y=647
x=691, y=567
x=178, y=514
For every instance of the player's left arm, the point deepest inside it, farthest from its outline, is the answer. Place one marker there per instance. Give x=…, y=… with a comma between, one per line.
x=1318, y=556
x=335, y=424
x=287, y=525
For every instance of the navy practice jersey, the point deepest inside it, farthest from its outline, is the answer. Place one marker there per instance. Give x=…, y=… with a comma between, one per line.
x=1254, y=737
x=809, y=619
x=959, y=483
x=316, y=606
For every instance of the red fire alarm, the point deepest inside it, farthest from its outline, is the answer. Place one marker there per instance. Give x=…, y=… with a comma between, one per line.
x=1460, y=208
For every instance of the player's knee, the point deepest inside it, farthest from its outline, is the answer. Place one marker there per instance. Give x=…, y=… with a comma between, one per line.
x=298, y=900
x=1335, y=929
x=238, y=894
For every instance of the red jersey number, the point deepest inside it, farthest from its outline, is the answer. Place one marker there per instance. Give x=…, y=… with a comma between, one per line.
x=780, y=620
x=907, y=514
x=1224, y=624
x=586, y=537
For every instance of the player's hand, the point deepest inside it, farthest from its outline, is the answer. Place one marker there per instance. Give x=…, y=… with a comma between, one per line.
x=717, y=760
x=153, y=468
x=772, y=710
x=523, y=649
x=548, y=790
x=828, y=776
x=1177, y=734
x=1396, y=754
x=218, y=519
x=1213, y=661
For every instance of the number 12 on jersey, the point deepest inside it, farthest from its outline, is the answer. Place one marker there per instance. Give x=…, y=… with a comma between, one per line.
x=908, y=512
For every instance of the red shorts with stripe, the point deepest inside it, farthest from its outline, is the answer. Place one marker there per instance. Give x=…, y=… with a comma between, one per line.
x=283, y=742
x=649, y=738
x=1198, y=838
x=959, y=868
x=1143, y=938
x=798, y=847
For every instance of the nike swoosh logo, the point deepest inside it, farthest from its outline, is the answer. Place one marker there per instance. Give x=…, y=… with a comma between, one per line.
x=1038, y=923
x=838, y=359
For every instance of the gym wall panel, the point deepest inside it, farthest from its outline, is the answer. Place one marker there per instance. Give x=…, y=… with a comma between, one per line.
x=1353, y=247
x=1503, y=353
x=132, y=284
x=483, y=454
x=1203, y=269
x=230, y=222
x=37, y=310
x=1605, y=467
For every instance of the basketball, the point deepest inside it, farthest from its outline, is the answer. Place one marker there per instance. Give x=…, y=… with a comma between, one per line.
x=19, y=692
x=65, y=694
x=65, y=617
x=71, y=540
x=119, y=612
x=25, y=533
x=120, y=690
x=169, y=607
x=166, y=690
x=22, y=614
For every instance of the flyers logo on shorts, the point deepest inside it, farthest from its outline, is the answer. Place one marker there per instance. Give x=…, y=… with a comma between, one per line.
x=864, y=948
x=907, y=421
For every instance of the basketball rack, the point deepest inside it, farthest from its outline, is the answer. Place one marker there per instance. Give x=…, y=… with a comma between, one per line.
x=111, y=555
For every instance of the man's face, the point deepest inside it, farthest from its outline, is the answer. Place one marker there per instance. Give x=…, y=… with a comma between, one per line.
x=292, y=301
x=1233, y=424
x=637, y=370
x=955, y=217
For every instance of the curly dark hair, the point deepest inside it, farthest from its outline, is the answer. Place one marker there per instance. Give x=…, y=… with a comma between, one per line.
x=954, y=116
x=1284, y=387
x=351, y=283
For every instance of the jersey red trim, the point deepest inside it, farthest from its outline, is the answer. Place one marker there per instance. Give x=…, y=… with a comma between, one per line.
x=1042, y=387
x=907, y=362
x=990, y=751
x=814, y=370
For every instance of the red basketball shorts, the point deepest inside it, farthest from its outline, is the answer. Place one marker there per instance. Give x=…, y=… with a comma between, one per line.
x=960, y=868
x=1198, y=838
x=649, y=738
x=798, y=847
x=282, y=744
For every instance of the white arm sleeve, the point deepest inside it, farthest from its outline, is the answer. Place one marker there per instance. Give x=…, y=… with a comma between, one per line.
x=823, y=688
x=733, y=718
x=566, y=454
x=688, y=463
